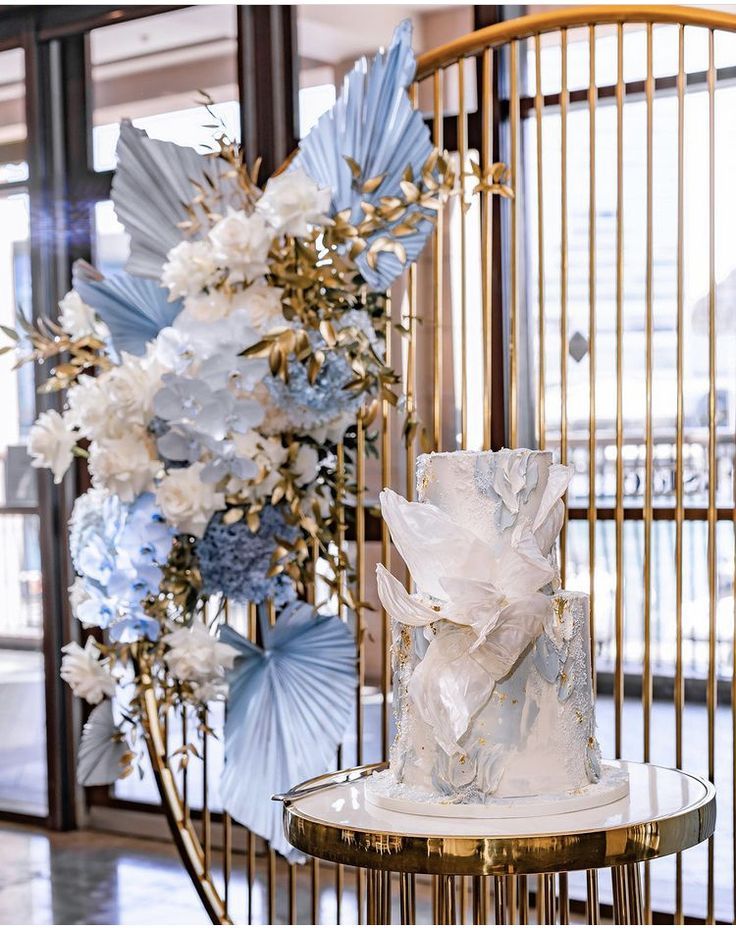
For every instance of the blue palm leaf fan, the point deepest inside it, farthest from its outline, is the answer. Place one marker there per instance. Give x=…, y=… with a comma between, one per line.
x=154, y=183
x=102, y=748
x=134, y=309
x=288, y=708
x=374, y=123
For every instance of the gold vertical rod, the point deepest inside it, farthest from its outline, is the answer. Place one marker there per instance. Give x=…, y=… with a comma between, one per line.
x=619, y=509
x=360, y=580
x=538, y=109
x=271, y=886
x=592, y=432
x=564, y=900
x=514, y=122
x=712, y=471
x=410, y=385
x=185, y=769
x=315, y=891
x=499, y=900
x=679, y=692
x=227, y=858
x=592, y=908
x=480, y=909
x=206, y=819
x=461, y=889
x=251, y=873
x=359, y=614
x=438, y=245
x=523, y=900
x=462, y=154
x=292, y=894
x=649, y=439
x=646, y=688
x=487, y=240
x=564, y=102
x=340, y=510
x=510, y=891
x=386, y=544
x=407, y=899
x=548, y=914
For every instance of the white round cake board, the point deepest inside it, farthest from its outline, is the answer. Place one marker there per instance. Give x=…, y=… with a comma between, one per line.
x=381, y=790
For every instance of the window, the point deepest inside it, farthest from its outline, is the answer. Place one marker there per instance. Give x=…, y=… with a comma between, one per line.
x=23, y=786
x=152, y=70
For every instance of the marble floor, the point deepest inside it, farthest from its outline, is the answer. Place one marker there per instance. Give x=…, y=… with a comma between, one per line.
x=83, y=877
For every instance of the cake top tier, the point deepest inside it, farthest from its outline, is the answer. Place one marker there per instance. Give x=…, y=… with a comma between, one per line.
x=488, y=491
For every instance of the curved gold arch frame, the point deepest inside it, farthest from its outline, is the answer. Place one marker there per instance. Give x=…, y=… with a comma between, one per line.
x=481, y=45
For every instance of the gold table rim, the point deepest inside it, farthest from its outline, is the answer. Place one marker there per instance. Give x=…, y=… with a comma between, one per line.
x=508, y=854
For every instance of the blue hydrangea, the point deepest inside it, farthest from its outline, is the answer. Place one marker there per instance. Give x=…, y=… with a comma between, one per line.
x=234, y=561
x=310, y=405
x=117, y=550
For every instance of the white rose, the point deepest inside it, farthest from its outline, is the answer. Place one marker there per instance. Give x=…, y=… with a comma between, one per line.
x=129, y=388
x=292, y=202
x=207, y=307
x=305, y=465
x=241, y=243
x=88, y=407
x=196, y=655
x=266, y=452
x=82, y=670
x=77, y=319
x=123, y=465
x=190, y=268
x=186, y=501
x=262, y=305
x=50, y=443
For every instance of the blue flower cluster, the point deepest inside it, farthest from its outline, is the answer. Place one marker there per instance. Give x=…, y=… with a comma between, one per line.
x=311, y=405
x=117, y=550
x=234, y=561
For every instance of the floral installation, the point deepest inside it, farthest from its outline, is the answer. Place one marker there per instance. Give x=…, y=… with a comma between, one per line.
x=210, y=385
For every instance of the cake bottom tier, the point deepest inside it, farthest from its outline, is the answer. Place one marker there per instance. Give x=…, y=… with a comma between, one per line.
x=535, y=735
x=383, y=791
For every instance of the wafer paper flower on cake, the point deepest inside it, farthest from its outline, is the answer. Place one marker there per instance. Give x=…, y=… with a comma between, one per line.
x=489, y=593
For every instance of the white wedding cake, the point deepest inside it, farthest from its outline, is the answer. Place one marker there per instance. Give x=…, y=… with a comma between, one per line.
x=493, y=695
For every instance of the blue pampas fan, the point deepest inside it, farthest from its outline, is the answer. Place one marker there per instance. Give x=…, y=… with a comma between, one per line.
x=134, y=309
x=154, y=184
x=102, y=748
x=374, y=123
x=288, y=707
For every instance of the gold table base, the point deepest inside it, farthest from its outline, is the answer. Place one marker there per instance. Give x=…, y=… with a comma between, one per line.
x=483, y=866
x=510, y=898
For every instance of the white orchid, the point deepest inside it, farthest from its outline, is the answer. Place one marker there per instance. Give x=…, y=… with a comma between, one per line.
x=82, y=670
x=51, y=442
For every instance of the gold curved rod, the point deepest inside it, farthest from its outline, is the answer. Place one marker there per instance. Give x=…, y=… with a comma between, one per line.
x=537, y=23
x=182, y=830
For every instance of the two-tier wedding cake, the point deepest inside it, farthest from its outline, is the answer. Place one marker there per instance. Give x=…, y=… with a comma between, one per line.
x=493, y=696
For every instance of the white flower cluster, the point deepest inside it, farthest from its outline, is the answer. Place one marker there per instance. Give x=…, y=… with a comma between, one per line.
x=223, y=273
x=83, y=670
x=195, y=656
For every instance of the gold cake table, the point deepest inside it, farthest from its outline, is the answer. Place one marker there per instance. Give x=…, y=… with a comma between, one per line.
x=666, y=811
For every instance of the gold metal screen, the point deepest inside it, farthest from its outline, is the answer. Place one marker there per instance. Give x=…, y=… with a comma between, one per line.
x=518, y=330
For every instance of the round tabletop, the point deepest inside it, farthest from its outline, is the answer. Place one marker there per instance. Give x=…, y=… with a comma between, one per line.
x=666, y=811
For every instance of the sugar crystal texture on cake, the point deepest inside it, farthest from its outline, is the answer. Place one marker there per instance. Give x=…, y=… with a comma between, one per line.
x=493, y=696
